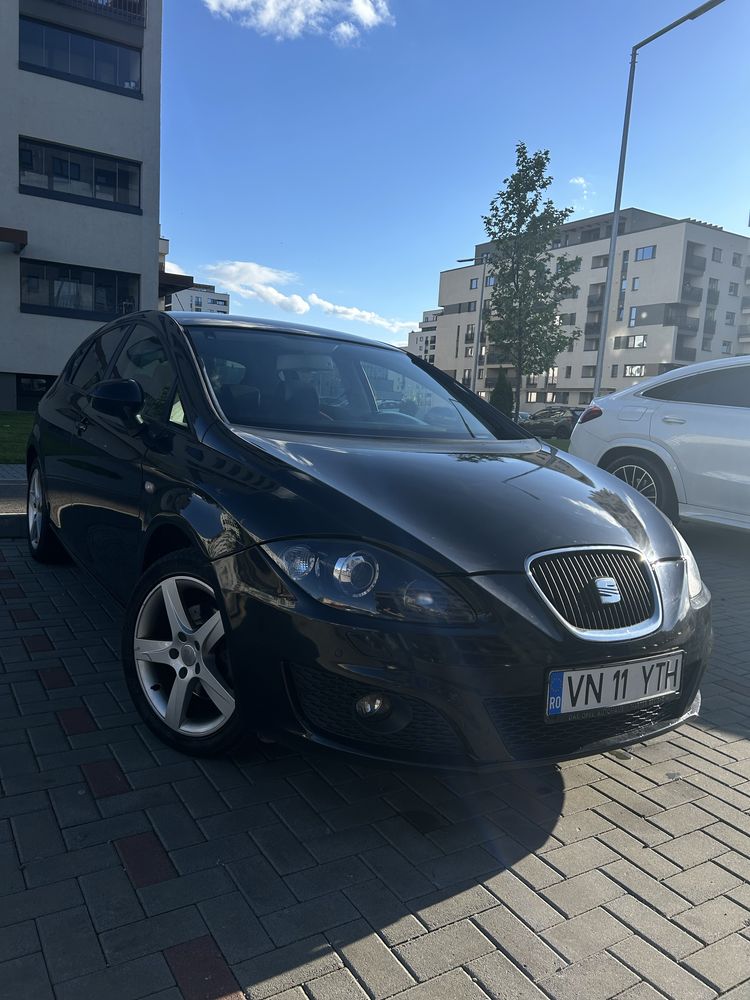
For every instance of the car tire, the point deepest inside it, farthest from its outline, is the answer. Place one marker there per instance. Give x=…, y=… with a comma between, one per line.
x=44, y=547
x=173, y=642
x=649, y=477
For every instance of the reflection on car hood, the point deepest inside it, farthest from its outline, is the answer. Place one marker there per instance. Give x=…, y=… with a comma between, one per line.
x=483, y=506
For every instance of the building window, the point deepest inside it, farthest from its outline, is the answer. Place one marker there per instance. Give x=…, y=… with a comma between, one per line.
x=474, y=282
x=561, y=397
x=625, y=256
x=613, y=371
x=633, y=341
x=730, y=318
x=591, y=344
x=636, y=284
x=70, y=55
x=585, y=397
x=601, y=260
x=624, y=285
x=467, y=373
x=531, y=397
x=633, y=316
x=469, y=352
x=568, y=371
x=706, y=345
x=645, y=253
x=471, y=306
x=736, y=260
x=480, y=373
x=620, y=313
x=489, y=281
x=470, y=329
x=71, y=174
x=634, y=371
x=716, y=255
x=567, y=319
x=458, y=335
x=431, y=359
x=734, y=288
x=726, y=347
x=77, y=292
x=571, y=344
x=588, y=371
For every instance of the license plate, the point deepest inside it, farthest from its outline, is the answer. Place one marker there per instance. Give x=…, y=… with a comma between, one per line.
x=593, y=689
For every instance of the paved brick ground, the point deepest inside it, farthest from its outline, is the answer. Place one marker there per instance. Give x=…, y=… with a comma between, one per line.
x=128, y=871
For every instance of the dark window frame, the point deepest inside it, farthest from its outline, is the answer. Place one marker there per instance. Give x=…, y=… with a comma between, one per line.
x=94, y=202
x=85, y=81
x=65, y=313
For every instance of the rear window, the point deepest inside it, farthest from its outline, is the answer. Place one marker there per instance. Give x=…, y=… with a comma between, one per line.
x=313, y=384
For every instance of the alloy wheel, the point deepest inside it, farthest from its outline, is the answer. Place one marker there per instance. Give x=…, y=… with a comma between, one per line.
x=181, y=658
x=640, y=479
x=35, y=508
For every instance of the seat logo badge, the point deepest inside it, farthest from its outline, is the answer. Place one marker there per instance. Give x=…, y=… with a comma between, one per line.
x=607, y=589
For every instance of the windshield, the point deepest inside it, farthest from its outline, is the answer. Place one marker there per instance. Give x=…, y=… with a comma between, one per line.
x=311, y=384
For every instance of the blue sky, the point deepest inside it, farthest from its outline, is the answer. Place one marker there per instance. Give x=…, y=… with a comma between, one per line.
x=325, y=159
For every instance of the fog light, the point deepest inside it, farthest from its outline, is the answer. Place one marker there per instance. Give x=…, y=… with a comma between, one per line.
x=373, y=706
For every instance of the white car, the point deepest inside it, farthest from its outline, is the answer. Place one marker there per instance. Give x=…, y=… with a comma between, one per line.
x=681, y=439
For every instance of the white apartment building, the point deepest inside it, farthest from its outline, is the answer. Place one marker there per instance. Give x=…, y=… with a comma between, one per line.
x=79, y=178
x=199, y=298
x=681, y=293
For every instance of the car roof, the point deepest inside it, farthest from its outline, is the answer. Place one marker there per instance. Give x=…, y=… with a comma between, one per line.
x=694, y=369
x=272, y=325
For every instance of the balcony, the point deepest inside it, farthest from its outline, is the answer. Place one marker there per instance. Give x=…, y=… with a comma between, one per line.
x=709, y=327
x=712, y=296
x=688, y=324
x=743, y=334
x=747, y=275
x=745, y=307
x=595, y=299
x=687, y=354
x=692, y=295
x=695, y=263
x=592, y=329
x=132, y=11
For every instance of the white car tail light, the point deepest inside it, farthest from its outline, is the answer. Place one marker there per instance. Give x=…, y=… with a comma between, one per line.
x=590, y=413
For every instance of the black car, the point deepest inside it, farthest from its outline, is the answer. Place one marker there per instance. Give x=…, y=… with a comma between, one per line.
x=421, y=582
x=553, y=421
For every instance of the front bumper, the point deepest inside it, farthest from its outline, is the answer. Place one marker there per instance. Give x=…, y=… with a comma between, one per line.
x=469, y=696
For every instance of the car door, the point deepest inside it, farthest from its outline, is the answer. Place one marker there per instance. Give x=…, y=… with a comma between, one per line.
x=63, y=414
x=703, y=420
x=540, y=422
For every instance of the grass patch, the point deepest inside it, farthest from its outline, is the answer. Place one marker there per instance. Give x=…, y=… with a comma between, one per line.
x=562, y=443
x=14, y=433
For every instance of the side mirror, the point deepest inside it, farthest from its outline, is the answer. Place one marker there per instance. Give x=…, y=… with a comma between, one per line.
x=117, y=397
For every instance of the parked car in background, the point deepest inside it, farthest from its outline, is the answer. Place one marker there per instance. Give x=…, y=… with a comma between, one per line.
x=681, y=439
x=431, y=587
x=553, y=421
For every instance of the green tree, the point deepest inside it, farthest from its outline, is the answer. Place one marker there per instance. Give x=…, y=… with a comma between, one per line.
x=529, y=282
x=502, y=395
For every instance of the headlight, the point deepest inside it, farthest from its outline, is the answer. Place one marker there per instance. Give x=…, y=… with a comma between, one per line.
x=695, y=584
x=368, y=580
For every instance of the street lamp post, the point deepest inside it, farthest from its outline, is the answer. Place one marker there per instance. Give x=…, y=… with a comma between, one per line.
x=478, y=339
x=703, y=9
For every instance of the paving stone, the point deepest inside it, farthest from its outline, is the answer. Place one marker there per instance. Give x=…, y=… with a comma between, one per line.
x=724, y=964
x=597, y=978
x=583, y=892
x=580, y=857
x=438, y=951
x=499, y=977
x=174, y=826
x=524, y=902
x=703, y=882
x=25, y=977
x=70, y=865
x=18, y=940
x=339, y=985
x=587, y=934
x=201, y=971
x=692, y=849
x=284, y=968
x=324, y=878
x=130, y=981
x=305, y=919
x=398, y=874
x=183, y=890
x=438, y=909
x=261, y=886
x=682, y=819
x=69, y=944
x=285, y=852
x=213, y=853
x=234, y=927
x=714, y=919
x=105, y=777
x=145, y=860
x=110, y=898
x=385, y=911
x=659, y=970
x=529, y=952
x=654, y=927
x=650, y=890
x=371, y=960
x=153, y=934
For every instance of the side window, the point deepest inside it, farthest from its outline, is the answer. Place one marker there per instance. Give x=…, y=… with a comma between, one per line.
x=177, y=412
x=722, y=387
x=92, y=367
x=144, y=358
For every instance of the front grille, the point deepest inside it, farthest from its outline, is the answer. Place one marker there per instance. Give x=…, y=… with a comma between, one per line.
x=326, y=701
x=521, y=725
x=567, y=581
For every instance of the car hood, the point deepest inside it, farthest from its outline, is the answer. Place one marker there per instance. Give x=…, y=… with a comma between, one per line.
x=478, y=506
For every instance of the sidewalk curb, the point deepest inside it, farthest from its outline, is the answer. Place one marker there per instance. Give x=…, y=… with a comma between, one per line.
x=12, y=525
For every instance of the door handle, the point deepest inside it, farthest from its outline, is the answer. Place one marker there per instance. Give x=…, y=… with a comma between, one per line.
x=673, y=420
x=82, y=425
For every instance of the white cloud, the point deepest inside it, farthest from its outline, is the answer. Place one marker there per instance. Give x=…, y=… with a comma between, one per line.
x=343, y=20
x=583, y=184
x=172, y=267
x=249, y=280
x=360, y=315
